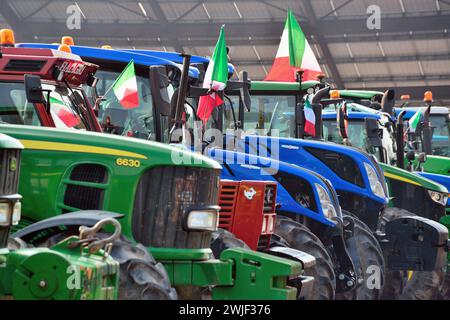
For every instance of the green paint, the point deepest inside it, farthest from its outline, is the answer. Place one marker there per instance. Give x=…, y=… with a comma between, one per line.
x=41, y=273
x=281, y=86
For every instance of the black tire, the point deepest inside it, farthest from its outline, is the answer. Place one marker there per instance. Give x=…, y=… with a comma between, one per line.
x=141, y=277
x=300, y=237
x=370, y=254
x=423, y=285
x=223, y=239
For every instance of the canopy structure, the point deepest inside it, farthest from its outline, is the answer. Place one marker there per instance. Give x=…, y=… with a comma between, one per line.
x=410, y=52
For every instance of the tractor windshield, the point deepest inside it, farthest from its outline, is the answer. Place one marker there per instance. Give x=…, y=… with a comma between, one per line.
x=267, y=112
x=441, y=134
x=15, y=109
x=356, y=131
x=136, y=121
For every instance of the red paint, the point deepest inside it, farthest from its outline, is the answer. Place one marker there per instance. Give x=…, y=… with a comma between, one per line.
x=244, y=216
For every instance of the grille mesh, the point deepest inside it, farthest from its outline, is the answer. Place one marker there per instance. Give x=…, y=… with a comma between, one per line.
x=164, y=195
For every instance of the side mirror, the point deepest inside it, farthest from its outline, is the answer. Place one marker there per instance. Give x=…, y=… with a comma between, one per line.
x=300, y=120
x=159, y=81
x=373, y=132
x=245, y=90
x=411, y=155
x=341, y=124
x=388, y=102
x=91, y=80
x=33, y=89
x=422, y=157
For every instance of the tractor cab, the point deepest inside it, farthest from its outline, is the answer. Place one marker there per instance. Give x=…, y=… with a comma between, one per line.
x=42, y=87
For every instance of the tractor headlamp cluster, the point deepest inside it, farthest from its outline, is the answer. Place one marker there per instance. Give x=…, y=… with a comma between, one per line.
x=206, y=219
x=325, y=202
x=438, y=197
x=374, y=181
x=10, y=213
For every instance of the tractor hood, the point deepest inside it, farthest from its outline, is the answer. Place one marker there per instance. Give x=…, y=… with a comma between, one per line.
x=92, y=144
x=314, y=155
x=417, y=178
x=297, y=187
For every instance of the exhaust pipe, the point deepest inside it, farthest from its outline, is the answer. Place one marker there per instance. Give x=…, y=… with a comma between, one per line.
x=317, y=108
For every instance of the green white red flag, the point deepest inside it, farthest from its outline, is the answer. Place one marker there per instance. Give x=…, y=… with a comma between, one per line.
x=125, y=87
x=294, y=54
x=310, y=117
x=62, y=115
x=414, y=121
x=216, y=78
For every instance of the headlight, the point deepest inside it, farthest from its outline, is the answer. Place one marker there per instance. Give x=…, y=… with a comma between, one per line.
x=202, y=220
x=325, y=202
x=5, y=214
x=17, y=211
x=438, y=197
x=374, y=181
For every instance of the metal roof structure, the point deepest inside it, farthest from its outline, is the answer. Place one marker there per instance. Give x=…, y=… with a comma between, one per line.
x=410, y=52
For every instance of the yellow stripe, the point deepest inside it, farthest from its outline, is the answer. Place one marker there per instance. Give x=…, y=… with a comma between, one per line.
x=70, y=147
x=395, y=177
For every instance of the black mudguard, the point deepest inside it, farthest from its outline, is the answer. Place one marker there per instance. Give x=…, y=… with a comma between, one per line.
x=415, y=243
x=86, y=218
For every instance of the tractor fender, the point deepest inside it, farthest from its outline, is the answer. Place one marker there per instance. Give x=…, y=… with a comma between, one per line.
x=415, y=243
x=79, y=218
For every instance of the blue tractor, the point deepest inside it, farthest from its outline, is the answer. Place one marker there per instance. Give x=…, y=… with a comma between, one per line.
x=343, y=245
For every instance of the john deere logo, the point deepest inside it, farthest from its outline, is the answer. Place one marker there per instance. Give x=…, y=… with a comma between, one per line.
x=250, y=193
x=13, y=164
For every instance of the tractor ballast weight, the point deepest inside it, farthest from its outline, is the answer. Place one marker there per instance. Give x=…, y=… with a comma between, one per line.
x=63, y=272
x=416, y=243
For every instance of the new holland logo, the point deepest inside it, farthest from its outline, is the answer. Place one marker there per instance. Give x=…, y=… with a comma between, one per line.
x=250, y=193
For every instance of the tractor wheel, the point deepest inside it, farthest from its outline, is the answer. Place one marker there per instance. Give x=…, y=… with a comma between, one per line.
x=223, y=239
x=140, y=278
x=421, y=285
x=301, y=238
x=372, y=262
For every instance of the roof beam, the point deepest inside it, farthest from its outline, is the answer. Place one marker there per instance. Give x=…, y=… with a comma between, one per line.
x=374, y=59
x=318, y=36
x=387, y=78
x=162, y=19
x=329, y=28
x=10, y=16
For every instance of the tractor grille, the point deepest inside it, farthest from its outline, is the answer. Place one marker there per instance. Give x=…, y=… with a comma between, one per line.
x=83, y=198
x=88, y=172
x=227, y=201
x=163, y=196
x=82, y=194
x=269, y=199
x=10, y=171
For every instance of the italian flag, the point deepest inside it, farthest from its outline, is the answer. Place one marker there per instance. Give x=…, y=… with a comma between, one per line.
x=294, y=54
x=125, y=87
x=62, y=115
x=216, y=77
x=310, y=117
x=414, y=121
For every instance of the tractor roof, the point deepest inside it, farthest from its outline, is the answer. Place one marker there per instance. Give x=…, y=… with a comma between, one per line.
x=330, y=115
x=411, y=111
x=281, y=86
x=360, y=94
x=49, y=64
x=125, y=56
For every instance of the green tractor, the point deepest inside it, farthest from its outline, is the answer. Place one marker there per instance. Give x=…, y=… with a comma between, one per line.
x=170, y=208
x=76, y=268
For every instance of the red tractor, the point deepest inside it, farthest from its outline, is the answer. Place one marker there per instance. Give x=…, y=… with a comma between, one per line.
x=248, y=211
